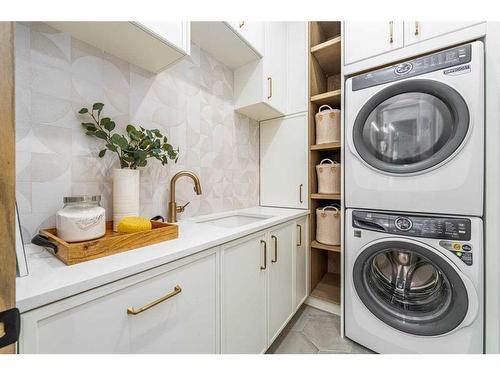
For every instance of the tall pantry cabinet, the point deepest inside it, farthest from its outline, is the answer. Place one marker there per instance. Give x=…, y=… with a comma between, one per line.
x=289, y=153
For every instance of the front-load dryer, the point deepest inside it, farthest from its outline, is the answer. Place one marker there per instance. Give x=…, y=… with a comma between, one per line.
x=415, y=135
x=413, y=283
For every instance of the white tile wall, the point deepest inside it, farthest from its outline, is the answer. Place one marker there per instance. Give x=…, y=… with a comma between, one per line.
x=191, y=102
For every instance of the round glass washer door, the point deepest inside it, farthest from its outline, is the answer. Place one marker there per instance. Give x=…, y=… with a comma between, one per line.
x=411, y=126
x=410, y=288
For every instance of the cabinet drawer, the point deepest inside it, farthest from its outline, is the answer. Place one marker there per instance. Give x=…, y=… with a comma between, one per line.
x=97, y=321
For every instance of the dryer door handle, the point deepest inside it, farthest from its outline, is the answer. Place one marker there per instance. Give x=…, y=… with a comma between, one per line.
x=364, y=224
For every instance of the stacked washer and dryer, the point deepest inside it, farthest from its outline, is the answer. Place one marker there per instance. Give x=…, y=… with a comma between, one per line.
x=414, y=197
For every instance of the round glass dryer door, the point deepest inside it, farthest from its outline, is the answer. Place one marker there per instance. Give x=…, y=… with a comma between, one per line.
x=411, y=126
x=410, y=288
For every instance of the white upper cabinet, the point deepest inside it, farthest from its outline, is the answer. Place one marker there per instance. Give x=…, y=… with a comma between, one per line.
x=296, y=67
x=260, y=86
x=152, y=46
x=229, y=43
x=283, y=162
x=416, y=31
x=276, y=85
x=251, y=32
x=275, y=65
x=176, y=33
x=367, y=39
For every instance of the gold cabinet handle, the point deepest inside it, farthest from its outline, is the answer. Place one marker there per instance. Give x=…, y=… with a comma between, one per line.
x=275, y=249
x=269, y=87
x=391, y=32
x=133, y=311
x=301, y=186
x=262, y=242
x=242, y=23
x=417, y=28
x=300, y=234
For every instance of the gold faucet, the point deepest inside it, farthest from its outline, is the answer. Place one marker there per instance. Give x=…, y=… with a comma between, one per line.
x=173, y=209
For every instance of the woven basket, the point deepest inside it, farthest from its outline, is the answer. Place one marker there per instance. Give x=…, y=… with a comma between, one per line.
x=328, y=172
x=327, y=125
x=328, y=225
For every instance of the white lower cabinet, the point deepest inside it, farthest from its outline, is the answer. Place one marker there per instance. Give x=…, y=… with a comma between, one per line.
x=243, y=295
x=232, y=299
x=301, y=262
x=97, y=321
x=281, y=252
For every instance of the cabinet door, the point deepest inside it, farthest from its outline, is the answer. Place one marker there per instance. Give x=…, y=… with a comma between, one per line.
x=296, y=60
x=367, y=39
x=280, y=278
x=275, y=65
x=252, y=32
x=243, y=295
x=417, y=31
x=98, y=321
x=301, y=262
x=283, y=162
x=175, y=33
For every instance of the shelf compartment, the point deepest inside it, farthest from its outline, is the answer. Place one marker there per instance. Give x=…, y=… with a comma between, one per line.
x=326, y=147
x=331, y=98
x=317, y=245
x=334, y=197
x=328, y=55
x=328, y=288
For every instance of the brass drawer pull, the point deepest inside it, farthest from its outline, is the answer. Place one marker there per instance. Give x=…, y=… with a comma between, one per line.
x=275, y=249
x=265, y=255
x=133, y=311
x=269, y=87
x=300, y=234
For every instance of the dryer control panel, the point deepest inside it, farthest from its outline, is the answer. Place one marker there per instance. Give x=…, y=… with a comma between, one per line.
x=443, y=228
x=426, y=64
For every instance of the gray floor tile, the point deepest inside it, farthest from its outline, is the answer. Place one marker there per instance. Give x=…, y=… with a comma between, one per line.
x=314, y=331
x=293, y=343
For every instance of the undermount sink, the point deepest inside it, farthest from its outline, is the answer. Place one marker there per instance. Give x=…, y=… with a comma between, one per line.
x=233, y=221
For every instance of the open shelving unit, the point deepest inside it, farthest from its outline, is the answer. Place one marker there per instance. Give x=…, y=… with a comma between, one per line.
x=324, y=88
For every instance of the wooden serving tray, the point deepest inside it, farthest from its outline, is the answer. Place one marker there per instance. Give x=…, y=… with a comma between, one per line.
x=111, y=243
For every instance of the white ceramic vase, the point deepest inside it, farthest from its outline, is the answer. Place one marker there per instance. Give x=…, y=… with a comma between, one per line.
x=126, y=184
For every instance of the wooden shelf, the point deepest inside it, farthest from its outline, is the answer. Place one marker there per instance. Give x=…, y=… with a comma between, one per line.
x=328, y=55
x=331, y=98
x=325, y=196
x=326, y=147
x=315, y=244
x=328, y=288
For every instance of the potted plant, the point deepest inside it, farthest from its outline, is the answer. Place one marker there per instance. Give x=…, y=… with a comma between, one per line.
x=133, y=149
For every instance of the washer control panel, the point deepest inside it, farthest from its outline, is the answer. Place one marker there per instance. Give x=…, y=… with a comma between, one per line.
x=436, y=227
x=426, y=64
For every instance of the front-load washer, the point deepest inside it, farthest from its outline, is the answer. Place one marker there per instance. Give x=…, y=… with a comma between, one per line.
x=415, y=135
x=414, y=284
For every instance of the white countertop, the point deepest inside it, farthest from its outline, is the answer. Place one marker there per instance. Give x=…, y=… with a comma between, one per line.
x=50, y=280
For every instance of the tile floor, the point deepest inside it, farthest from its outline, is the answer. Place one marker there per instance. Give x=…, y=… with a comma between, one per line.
x=312, y=331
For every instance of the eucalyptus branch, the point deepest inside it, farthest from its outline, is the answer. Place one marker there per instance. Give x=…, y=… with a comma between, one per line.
x=135, y=147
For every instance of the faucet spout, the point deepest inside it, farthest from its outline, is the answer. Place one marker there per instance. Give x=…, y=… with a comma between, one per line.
x=173, y=209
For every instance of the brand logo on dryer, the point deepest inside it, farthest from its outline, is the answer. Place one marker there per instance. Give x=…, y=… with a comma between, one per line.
x=403, y=69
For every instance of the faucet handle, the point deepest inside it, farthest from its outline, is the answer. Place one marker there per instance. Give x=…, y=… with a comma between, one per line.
x=181, y=208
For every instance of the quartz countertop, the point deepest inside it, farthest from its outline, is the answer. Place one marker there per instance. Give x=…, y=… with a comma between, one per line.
x=50, y=280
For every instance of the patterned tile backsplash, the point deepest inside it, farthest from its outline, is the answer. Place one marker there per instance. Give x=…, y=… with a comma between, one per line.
x=191, y=102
